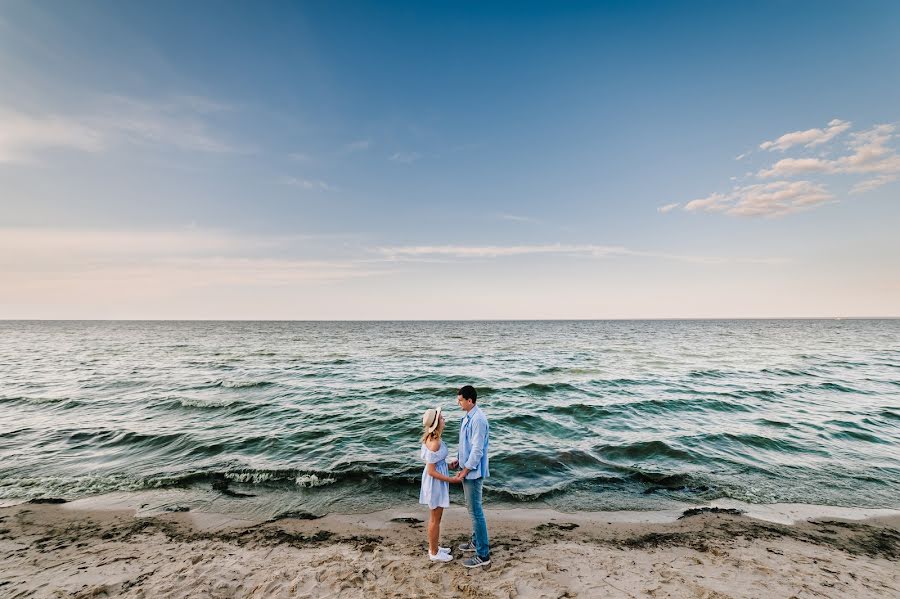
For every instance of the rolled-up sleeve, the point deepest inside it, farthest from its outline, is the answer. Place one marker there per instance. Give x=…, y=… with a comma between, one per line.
x=479, y=436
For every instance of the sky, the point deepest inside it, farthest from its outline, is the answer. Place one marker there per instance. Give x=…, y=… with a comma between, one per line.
x=449, y=160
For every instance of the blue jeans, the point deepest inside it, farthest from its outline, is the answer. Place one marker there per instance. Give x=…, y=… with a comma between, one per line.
x=472, y=491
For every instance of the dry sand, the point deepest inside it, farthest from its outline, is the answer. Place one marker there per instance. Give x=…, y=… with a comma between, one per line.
x=66, y=551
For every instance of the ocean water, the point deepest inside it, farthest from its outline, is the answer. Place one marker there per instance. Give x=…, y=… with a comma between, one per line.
x=325, y=416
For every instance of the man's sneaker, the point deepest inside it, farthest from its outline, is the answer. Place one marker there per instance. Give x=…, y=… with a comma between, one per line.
x=440, y=556
x=467, y=547
x=475, y=561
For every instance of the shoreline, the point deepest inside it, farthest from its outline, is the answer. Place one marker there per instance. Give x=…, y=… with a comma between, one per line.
x=161, y=502
x=237, y=507
x=97, y=548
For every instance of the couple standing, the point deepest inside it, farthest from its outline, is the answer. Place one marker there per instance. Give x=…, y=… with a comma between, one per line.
x=472, y=458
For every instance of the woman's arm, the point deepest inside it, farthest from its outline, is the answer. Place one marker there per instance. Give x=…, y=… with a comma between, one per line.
x=432, y=471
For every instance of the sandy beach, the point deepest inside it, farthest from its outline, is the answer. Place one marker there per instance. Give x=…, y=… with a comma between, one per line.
x=49, y=550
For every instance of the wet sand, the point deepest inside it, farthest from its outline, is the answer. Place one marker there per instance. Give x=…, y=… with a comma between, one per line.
x=71, y=550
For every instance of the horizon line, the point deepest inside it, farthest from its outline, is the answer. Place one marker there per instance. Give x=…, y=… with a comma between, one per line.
x=651, y=319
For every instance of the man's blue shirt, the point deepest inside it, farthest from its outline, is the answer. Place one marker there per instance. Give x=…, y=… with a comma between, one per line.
x=473, y=444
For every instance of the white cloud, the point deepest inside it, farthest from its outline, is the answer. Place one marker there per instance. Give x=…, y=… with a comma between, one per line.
x=174, y=122
x=74, y=260
x=77, y=244
x=431, y=252
x=871, y=153
x=307, y=183
x=808, y=138
x=870, y=184
x=404, y=157
x=494, y=251
x=742, y=156
x=778, y=198
x=668, y=207
x=23, y=136
x=518, y=219
x=787, y=167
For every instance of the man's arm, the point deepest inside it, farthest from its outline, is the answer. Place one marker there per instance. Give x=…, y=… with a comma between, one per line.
x=479, y=435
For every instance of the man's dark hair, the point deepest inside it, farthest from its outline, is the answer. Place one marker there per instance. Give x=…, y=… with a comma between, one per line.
x=468, y=392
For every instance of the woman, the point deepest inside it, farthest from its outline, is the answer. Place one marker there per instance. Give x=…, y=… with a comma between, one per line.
x=436, y=481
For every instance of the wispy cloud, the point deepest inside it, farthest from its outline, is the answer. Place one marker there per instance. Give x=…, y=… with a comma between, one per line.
x=457, y=252
x=518, y=219
x=668, y=207
x=23, y=136
x=871, y=153
x=175, y=122
x=788, y=167
x=307, y=183
x=870, y=184
x=494, y=251
x=404, y=157
x=808, y=138
x=778, y=198
x=74, y=260
x=868, y=152
x=172, y=122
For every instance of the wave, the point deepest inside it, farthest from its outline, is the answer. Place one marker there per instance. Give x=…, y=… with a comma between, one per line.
x=535, y=424
x=889, y=414
x=859, y=436
x=774, y=423
x=710, y=374
x=204, y=404
x=586, y=411
x=544, y=388
x=745, y=440
x=55, y=402
x=642, y=450
x=788, y=372
x=759, y=393
x=533, y=461
x=834, y=387
x=661, y=406
x=228, y=384
x=638, y=481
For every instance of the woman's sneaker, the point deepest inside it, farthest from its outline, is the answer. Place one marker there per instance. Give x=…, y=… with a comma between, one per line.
x=467, y=547
x=475, y=561
x=440, y=556
x=443, y=549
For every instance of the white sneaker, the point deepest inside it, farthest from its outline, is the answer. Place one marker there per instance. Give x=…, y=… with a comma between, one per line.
x=440, y=556
x=443, y=549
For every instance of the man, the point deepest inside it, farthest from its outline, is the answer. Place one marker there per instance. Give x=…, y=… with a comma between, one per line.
x=473, y=457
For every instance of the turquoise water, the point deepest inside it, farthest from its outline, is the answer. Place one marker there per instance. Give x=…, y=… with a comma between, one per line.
x=325, y=416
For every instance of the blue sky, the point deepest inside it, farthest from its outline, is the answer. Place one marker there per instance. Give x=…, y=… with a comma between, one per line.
x=449, y=160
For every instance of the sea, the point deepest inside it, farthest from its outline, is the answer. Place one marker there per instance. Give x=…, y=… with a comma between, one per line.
x=325, y=417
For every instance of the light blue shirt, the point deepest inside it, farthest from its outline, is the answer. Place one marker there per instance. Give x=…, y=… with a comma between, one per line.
x=473, y=444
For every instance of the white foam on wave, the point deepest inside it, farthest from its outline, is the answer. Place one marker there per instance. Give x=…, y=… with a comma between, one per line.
x=206, y=403
x=312, y=480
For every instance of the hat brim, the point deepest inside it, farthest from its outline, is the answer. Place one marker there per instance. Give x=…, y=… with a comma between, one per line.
x=437, y=420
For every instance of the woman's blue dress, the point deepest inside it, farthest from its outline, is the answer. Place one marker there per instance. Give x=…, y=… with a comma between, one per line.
x=435, y=493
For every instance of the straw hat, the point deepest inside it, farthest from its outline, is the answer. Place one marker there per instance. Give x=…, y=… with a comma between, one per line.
x=431, y=419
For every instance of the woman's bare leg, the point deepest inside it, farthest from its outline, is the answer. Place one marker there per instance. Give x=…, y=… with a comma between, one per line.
x=434, y=529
